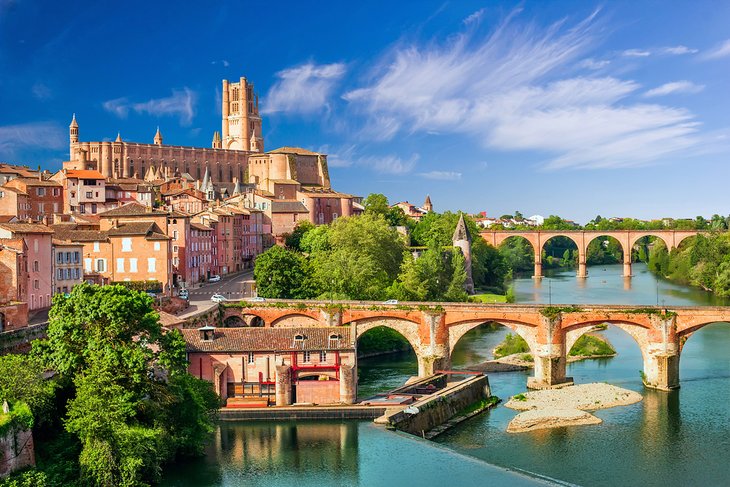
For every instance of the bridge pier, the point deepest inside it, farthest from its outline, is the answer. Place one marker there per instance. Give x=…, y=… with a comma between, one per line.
x=283, y=385
x=348, y=384
x=550, y=364
x=429, y=364
x=661, y=369
x=627, y=263
x=538, y=270
x=582, y=269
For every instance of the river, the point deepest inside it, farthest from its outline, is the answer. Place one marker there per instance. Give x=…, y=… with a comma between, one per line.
x=677, y=438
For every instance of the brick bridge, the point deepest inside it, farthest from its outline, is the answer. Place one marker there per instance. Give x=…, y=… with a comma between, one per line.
x=434, y=329
x=581, y=238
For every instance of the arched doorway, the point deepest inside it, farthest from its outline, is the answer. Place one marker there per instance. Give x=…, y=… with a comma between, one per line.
x=386, y=360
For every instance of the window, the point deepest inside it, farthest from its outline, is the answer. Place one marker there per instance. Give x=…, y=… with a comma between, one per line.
x=40, y=191
x=77, y=257
x=126, y=244
x=93, y=207
x=89, y=194
x=323, y=356
x=96, y=246
x=35, y=245
x=306, y=357
x=36, y=266
x=77, y=273
x=36, y=284
x=59, y=274
x=334, y=216
x=174, y=248
x=67, y=273
x=157, y=245
x=87, y=265
x=151, y=264
x=68, y=257
x=100, y=265
x=56, y=191
x=133, y=264
x=174, y=234
x=59, y=258
x=251, y=358
x=120, y=265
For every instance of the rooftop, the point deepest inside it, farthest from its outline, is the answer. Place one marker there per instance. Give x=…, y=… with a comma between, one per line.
x=132, y=209
x=269, y=339
x=293, y=150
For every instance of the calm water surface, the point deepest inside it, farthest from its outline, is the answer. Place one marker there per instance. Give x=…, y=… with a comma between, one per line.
x=679, y=438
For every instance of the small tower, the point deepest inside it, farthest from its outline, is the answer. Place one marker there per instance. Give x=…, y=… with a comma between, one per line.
x=254, y=143
x=217, y=142
x=119, y=137
x=462, y=240
x=158, y=137
x=73, y=137
x=73, y=130
x=427, y=204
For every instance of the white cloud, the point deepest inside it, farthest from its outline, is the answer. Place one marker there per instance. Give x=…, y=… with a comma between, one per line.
x=474, y=18
x=720, y=51
x=41, y=135
x=679, y=50
x=636, y=53
x=303, y=89
x=180, y=104
x=507, y=90
x=675, y=87
x=441, y=175
x=339, y=157
x=594, y=64
x=389, y=164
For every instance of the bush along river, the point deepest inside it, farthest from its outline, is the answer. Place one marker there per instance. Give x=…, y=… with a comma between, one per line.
x=667, y=439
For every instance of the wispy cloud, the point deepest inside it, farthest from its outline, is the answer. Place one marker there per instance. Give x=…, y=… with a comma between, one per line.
x=303, y=89
x=591, y=63
x=389, y=164
x=441, y=175
x=507, y=89
x=180, y=104
x=340, y=156
x=679, y=50
x=41, y=91
x=719, y=51
x=636, y=53
x=675, y=87
x=40, y=135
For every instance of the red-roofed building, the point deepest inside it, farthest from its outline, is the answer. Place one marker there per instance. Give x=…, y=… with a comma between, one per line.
x=84, y=190
x=45, y=197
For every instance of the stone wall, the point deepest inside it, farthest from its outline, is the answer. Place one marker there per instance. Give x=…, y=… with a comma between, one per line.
x=16, y=451
x=435, y=410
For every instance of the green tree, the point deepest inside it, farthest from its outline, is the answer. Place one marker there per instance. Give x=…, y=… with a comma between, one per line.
x=129, y=385
x=363, y=260
x=283, y=273
x=293, y=240
x=22, y=379
x=376, y=204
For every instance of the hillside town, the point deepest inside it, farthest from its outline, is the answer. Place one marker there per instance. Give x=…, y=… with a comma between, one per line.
x=155, y=217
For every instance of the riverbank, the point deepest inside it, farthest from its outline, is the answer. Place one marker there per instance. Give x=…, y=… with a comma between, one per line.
x=553, y=408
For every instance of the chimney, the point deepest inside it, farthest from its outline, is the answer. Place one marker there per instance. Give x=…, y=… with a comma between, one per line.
x=115, y=223
x=40, y=174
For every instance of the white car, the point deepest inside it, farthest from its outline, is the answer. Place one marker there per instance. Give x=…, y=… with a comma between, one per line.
x=214, y=278
x=257, y=299
x=218, y=298
x=391, y=301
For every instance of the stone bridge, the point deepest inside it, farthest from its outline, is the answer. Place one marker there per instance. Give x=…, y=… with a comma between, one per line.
x=582, y=238
x=434, y=329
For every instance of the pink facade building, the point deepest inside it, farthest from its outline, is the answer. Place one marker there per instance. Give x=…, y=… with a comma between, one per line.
x=38, y=239
x=192, y=245
x=13, y=284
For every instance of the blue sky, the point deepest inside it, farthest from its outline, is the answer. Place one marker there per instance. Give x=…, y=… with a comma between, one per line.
x=572, y=108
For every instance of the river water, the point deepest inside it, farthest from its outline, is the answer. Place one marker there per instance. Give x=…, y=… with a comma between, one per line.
x=677, y=438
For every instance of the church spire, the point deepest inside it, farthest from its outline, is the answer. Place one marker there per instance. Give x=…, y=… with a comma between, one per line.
x=427, y=204
x=462, y=240
x=158, y=136
x=119, y=137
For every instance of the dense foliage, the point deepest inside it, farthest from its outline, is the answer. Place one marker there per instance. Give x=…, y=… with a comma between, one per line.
x=368, y=258
x=379, y=340
x=702, y=261
x=121, y=385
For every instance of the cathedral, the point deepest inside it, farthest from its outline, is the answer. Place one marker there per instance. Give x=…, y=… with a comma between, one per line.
x=226, y=161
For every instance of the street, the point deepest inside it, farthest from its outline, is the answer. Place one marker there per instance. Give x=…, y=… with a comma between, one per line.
x=232, y=287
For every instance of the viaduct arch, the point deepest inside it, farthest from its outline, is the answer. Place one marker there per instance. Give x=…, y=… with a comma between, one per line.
x=582, y=238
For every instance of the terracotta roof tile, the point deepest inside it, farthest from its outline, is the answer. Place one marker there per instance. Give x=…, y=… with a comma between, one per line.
x=269, y=339
x=26, y=227
x=288, y=206
x=293, y=150
x=131, y=209
x=84, y=174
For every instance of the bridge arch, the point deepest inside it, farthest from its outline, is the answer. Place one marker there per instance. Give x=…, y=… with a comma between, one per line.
x=407, y=328
x=294, y=320
x=458, y=329
x=234, y=321
x=637, y=331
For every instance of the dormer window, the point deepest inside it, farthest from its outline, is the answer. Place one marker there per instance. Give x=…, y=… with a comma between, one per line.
x=299, y=340
x=207, y=333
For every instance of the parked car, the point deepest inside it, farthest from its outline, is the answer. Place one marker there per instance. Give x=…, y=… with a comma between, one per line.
x=218, y=298
x=183, y=294
x=257, y=299
x=391, y=301
x=214, y=278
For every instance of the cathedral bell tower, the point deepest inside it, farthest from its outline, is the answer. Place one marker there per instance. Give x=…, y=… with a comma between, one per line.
x=241, y=124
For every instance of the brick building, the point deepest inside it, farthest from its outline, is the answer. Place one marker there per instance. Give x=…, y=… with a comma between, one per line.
x=13, y=284
x=38, y=240
x=14, y=203
x=252, y=366
x=192, y=244
x=45, y=196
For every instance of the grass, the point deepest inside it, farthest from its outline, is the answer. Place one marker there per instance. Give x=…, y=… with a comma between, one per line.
x=589, y=345
x=512, y=344
x=488, y=298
